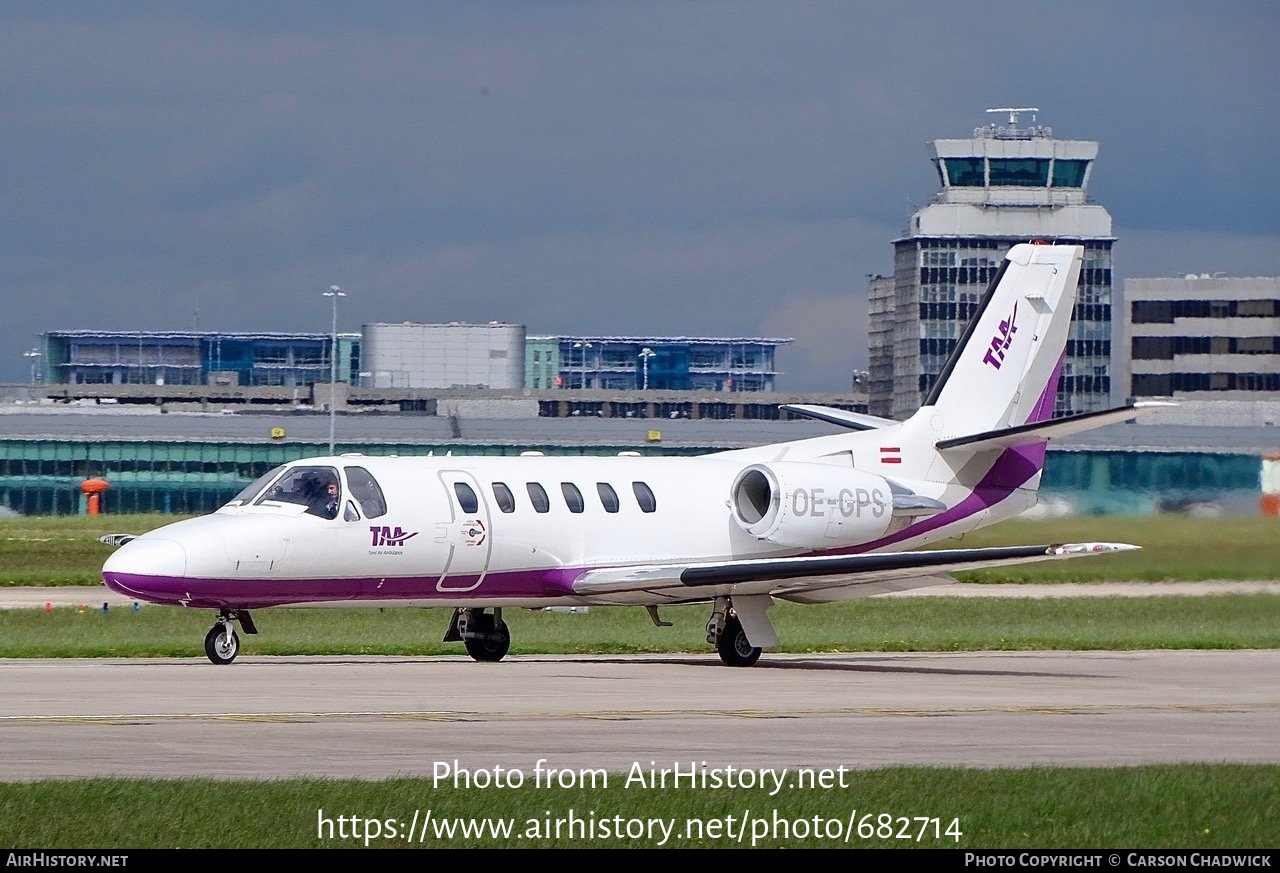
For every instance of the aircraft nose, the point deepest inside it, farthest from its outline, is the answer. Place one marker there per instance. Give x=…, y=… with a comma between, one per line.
x=146, y=557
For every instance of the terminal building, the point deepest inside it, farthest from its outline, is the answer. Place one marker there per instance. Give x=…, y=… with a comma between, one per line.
x=1004, y=185
x=457, y=370
x=408, y=355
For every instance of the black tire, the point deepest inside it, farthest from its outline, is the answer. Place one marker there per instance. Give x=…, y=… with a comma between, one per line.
x=217, y=646
x=733, y=646
x=492, y=645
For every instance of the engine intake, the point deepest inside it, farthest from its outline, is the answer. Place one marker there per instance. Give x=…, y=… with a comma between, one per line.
x=813, y=506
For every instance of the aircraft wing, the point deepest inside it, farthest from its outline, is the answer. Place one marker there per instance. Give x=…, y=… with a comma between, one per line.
x=681, y=581
x=841, y=417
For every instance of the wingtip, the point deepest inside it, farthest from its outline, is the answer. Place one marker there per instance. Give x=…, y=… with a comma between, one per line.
x=1073, y=549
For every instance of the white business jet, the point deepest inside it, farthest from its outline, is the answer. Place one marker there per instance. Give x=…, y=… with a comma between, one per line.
x=811, y=521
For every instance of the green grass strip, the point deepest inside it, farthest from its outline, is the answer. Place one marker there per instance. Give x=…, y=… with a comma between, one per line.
x=916, y=624
x=1166, y=807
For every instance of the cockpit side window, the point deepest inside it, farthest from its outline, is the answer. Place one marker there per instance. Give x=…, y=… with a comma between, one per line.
x=316, y=488
x=251, y=490
x=364, y=488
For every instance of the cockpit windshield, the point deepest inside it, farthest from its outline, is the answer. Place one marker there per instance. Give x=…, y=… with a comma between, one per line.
x=316, y=488
x=251, y=490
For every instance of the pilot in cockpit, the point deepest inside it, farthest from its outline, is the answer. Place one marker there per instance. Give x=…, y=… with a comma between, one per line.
x=322, y=498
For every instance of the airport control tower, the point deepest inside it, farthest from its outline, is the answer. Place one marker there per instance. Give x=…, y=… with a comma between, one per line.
x=1005, y=185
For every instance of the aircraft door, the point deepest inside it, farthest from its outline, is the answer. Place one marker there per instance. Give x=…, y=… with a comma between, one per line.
x=466, y=532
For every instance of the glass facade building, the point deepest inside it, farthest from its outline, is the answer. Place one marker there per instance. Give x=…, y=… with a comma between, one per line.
x=86, y=357
x=621, y=363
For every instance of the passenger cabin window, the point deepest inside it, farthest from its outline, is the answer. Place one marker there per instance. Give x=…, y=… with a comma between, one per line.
x=608, y=497
x=572, y=497
x=505, y=499
x=538, y=497
x=364, y=488
x=466, y=497
x=644, y=496
x=316, y=488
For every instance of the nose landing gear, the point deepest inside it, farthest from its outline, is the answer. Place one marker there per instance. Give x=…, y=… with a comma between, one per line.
x=222, y=643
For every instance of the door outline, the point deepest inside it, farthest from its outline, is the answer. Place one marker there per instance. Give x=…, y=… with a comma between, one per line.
x=469, y=536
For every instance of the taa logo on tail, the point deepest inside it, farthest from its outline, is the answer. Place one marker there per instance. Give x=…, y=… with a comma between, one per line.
x=1002, y=340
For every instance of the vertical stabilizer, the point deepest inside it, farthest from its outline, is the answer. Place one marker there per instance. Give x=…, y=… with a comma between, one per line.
x=1004, y=371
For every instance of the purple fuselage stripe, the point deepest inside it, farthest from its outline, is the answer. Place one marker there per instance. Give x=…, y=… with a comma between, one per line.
x=242, y=593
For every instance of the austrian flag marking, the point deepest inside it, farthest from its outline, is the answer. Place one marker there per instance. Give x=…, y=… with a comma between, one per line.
x=891, y=454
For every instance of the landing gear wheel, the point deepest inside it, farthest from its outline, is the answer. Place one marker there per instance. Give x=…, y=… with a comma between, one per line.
x=490, y=640
x=733, y=646
x=221, y=643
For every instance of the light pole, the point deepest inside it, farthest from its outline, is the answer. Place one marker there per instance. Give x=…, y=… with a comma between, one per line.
x=583, y=346
x=34, y=355
x=645, y=354
x=334, y=292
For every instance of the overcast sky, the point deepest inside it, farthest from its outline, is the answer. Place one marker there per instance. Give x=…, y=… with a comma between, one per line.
x=672, y=168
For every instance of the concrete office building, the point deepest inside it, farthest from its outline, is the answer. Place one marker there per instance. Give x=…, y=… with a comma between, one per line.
x=1210, y=342
x=1004, y=185
x=412, y=355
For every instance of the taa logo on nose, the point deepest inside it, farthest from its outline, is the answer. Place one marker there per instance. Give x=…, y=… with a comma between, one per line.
x=386, y=536
x=1002, y=340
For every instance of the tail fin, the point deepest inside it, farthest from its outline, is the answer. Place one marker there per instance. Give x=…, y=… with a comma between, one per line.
x=1004, y=371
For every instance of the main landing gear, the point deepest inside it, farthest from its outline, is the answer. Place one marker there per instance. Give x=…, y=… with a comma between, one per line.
x=725, y=632
x=484, y=634
x=221, y=643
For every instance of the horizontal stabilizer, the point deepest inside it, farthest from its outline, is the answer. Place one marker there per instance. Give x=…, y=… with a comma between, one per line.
x=765, y=575
x=1038, y=432
x=841, y=417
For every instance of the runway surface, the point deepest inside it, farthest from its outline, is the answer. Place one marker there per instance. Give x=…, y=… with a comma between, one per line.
x=270, y=717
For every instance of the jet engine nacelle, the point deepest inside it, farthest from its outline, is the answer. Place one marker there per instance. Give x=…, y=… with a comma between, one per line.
x=811, y=506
